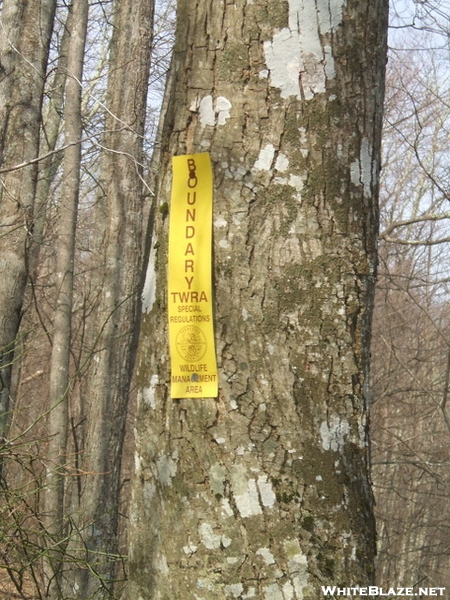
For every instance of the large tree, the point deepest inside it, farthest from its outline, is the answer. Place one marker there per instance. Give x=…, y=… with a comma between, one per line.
x=264, y=491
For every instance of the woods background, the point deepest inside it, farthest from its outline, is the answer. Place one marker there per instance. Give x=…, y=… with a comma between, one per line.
x=81, y=87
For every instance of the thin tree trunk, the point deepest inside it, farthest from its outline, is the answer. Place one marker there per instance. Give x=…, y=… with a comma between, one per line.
x=58, y=418
x=52, y=127
x=264, y=492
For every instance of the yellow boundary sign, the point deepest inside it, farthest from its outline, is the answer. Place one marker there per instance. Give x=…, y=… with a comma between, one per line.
x=191, y=327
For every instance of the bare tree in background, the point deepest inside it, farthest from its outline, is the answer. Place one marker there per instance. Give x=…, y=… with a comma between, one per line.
x=83, y=469
x=121, y=209
x=58, y=416
x=410, y=421
x=25, y=34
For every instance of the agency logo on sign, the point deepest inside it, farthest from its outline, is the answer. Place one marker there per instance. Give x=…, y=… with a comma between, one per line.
x=191, y=343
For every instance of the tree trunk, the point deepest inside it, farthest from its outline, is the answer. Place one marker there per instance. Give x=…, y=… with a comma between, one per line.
x=58, y=417
x=107, y=388
x=52, y=120
x=24, y=41
x=264, y=491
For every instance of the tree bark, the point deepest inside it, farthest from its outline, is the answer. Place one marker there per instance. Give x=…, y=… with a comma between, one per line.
x=122, y=206
x=58, y=416
x=52, y=126
x=24, y=42
x=264, y=491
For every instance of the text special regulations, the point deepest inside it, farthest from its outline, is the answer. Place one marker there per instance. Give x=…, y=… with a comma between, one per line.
x=191, y=327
